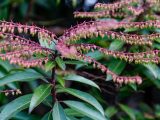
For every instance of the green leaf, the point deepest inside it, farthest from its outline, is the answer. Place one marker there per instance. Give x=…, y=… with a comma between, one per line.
x=58, y=112
x=116, y=45
x=96, y=55
x=15, y=106
x=77, y=78
x=6, y=65
x=71, y=118
x=157, y=111
x=20, y=76
x=39, y=95
x=73, y=62
x=133, y=86
x=131, y=29
x=86, y=97
x=110, y=111
x=49, y=65
x=153, y=71
x=44, y=43
x=25, y=116
x=71, y=112
x=117, y=66
x=130, y=112
x=84, y=109
x=47, y=116
x=60, y=80
x=60, y=63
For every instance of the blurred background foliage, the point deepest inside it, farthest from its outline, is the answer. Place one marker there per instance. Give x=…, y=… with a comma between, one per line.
x=127, y=102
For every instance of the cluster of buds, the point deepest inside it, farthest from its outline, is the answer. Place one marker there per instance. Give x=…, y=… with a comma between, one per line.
x=132, y=39
x=140, y=57
x=100, y=14
x=126, y=80
x=67, y=52
x=153, y=1
x=88, y=29
x=24, y=57
x=140, y=25
x=11, y=27
x=29, y=63
x=104, y=69
x=12, y=92
x=116, y=5
x=20, y=40
x=136, y=11
x=26, y=51
x=102, y=28
x=18, y=50
x=116, y=9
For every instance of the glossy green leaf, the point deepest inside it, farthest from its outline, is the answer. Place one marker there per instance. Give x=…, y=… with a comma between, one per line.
x=6, y=65
x=39, y=95
x=116, y=45
x=96, y=55
x=20, y=76
x=15, y=106
x=110, y=111
x=25, y=116
x=133, y=86
x=86, y=97
x=47, y=116
x=153, y=71
x=60, y=63
x=60, y=80
x=73, y=62
x=116, y=66
x=49, y=65
x=58, y=112
x=84, y=109
x=44, y=43
x=71, y=112
x=71, y=118
x=77, y=78
x=130, y=112
x=86, y=118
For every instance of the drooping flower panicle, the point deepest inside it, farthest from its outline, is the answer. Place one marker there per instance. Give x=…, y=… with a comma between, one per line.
x=12, y=27
x=26, y=53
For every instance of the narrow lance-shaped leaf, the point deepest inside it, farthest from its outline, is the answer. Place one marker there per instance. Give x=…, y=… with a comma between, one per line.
x=20, y=76
x=117, y=66
x=15, y=106
x=130, y=112
x=49, y=65
x=71, y=112
x=86, y=97
x=77, y=78
x=60, y=63
x=153, y=71
x=39, y=95
x=47, y=116
x=111, y=111
x=116, y=45
x=84, y=109
x=58, y=112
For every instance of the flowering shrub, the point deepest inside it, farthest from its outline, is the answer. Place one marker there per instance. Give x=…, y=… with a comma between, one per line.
x=47, y=59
